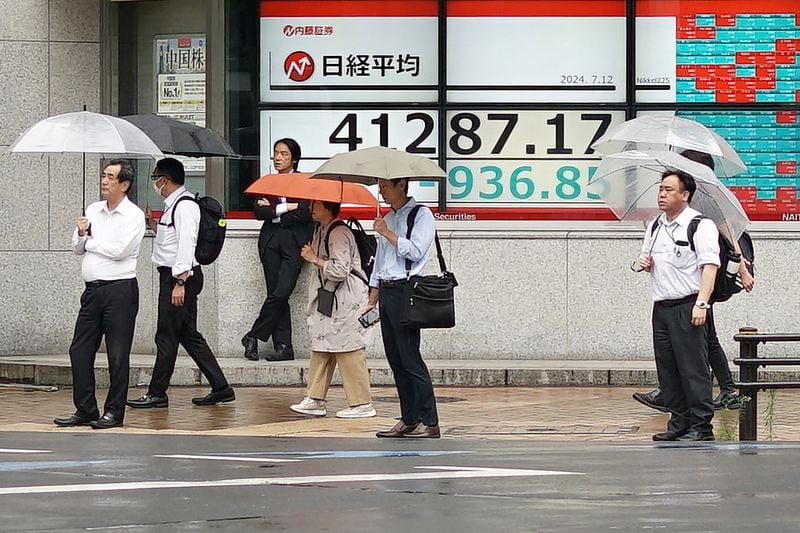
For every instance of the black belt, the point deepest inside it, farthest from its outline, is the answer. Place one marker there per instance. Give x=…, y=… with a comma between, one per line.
x=101, y=282
x=391, y=283
x=680, y=301
x=168, y=270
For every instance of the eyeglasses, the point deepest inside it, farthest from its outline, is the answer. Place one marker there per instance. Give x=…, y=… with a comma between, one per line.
x=156, y=177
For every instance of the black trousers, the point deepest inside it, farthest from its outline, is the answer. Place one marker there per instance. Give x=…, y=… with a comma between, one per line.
x=179, y=325
x=282, y=264
x=411, y=375
x=717, y=358
x=682, y=363
x=108, y=310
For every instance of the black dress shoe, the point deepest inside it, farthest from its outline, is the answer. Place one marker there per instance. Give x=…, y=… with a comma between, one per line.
x=652, y=399
x=250, y=347
x=106, y=421
x=727, y=399
x=695, y=435
x=72, y=421
x=401, y=429
x=213, y=398
x=669, y=435
x=149, y=401
x=424, y=432
x=283, y=352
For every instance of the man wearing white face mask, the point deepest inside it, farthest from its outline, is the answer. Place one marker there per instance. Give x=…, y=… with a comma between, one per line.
x=180, y=283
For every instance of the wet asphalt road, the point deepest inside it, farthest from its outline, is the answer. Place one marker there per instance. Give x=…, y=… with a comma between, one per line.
x=102, y=482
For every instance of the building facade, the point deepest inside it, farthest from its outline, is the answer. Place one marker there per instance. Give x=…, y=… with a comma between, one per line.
x=506, y=95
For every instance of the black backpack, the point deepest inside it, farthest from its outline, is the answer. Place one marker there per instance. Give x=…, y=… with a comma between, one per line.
x=726, y=284
x=367, y=244
x=211, y=235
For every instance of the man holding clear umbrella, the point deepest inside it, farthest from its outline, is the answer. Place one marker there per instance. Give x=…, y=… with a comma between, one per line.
x=108, y=238
x=728, y=395
x=682, y=280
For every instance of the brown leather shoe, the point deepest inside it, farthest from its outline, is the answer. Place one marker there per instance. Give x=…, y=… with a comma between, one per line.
x=425, y=432
x=399, y=430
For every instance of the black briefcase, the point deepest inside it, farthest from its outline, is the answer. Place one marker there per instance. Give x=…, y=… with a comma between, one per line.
x=428, y=300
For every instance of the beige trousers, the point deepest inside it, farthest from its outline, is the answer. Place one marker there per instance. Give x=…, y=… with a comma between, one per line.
x=352, y=367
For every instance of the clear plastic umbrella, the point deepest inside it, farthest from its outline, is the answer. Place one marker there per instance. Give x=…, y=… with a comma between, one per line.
x=628, y=183
x=657, y=132
x=85, y=132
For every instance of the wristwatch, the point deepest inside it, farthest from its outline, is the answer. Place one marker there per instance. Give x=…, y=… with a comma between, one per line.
x=702, y=305
x=180, y=282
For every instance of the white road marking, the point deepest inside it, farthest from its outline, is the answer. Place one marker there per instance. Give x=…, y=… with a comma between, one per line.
x=231, y=458
x=439, y=472
x=13, y=450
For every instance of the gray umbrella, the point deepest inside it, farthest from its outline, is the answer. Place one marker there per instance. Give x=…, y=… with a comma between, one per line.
x=369, y=165
x=181, y=138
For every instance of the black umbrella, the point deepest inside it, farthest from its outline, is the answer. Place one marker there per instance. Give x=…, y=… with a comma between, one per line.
x=181, y=138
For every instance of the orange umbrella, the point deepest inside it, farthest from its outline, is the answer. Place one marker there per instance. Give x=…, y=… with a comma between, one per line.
x=300, y=185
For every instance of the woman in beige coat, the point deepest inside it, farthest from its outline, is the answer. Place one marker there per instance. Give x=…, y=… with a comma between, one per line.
x=337, y=295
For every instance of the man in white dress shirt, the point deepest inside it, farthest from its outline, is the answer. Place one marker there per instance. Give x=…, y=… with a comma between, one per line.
x=180, y=283
x=682, y=279
x=108, y=238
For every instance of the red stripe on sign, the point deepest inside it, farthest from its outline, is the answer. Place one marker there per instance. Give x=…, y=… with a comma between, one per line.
x=786, y=117
x=786, y=167
x=467, y=214
x=666, y=8
x=535, y=8
x=349, y=8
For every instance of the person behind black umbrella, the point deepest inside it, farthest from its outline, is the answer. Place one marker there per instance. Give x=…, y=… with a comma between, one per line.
x=287, y=227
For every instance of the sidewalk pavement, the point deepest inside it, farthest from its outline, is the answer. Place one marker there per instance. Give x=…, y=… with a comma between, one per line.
x=598, y=413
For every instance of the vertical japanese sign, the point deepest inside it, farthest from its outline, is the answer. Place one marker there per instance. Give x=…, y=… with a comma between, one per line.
x=180, y=65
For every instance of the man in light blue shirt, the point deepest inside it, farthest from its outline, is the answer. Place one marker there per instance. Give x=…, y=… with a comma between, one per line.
x=397, y=258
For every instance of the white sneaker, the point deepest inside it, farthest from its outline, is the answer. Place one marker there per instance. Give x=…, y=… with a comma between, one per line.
x=360, y=411
x=310, y=407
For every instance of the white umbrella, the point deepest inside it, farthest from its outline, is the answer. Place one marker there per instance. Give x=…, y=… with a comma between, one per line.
x=658, y=132
x=86, y=132
x=628, y=183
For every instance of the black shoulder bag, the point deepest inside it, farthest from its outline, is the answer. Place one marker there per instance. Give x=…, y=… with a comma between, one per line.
x=428, y=300
x=326, y=300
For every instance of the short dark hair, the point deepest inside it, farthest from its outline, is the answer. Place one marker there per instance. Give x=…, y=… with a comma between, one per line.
x=172, y=169
x=699, y=157
x=294, y=149
x=333, y=207
x=126, y=172
x=686, y=180
x=398, y=180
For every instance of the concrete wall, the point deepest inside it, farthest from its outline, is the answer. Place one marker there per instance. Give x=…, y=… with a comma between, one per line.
x=522, y=295
x=49, y=64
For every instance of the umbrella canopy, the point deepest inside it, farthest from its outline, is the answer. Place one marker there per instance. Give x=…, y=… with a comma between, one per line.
x=181, y=138
x=300, y=185
x=369, y=165
x=86, y=132
x=628, y=183
x=671, y=133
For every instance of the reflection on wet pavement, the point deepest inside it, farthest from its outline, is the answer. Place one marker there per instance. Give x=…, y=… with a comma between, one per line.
x=555, y=413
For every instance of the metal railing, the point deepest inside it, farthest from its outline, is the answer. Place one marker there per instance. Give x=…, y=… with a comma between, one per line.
x=748, y=384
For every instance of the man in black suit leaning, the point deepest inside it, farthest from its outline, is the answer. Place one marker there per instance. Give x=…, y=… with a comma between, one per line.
x=287, y=227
